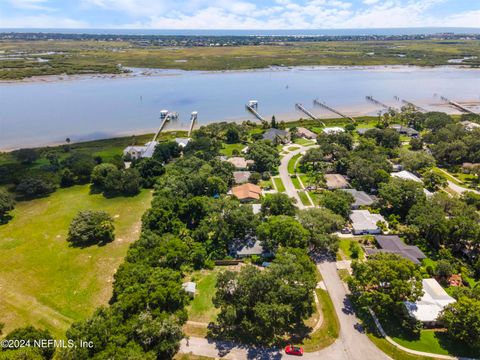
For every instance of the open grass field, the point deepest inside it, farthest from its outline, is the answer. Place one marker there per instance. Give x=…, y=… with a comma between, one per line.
x=80, y=57
x=44, y=281
x=201, y=309
x=227, y=149
x=344, y=248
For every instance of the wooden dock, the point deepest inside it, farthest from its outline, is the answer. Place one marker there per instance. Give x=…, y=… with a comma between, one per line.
x=379, y=103
x=193, y=120
x=458, y=106
x=254, y=112
x=329, y=108
x=308, y=113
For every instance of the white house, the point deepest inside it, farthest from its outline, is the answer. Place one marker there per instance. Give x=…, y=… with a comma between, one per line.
x=406, y=175
x=182, y=142
x=333, y=130
x=433, y=301
x=364, y=222
x=137, y=152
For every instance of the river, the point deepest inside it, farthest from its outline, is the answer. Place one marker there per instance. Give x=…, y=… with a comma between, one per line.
x=42, y=112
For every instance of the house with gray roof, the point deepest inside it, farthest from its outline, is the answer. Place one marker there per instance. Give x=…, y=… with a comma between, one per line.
x=277, y=136
x=242, y=248
x=361, y=198
x=405, y=130
x=394, y=245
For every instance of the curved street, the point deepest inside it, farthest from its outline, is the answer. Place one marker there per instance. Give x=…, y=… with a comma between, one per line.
x=352, y=344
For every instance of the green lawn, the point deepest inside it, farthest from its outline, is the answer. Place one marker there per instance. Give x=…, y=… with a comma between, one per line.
x=227, y=149
x=292, y=162
x=303, y=196
x=296, y=183
x=344, y=246
x=44, y=281
x=279, y=184
x=330, y=328
x=304, y=142
x=201, y=308
x=293, y=148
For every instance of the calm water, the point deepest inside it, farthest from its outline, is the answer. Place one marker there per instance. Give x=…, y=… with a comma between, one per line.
x=37, y=113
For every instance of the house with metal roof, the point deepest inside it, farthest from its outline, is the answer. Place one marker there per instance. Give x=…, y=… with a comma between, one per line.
x=431, y=304
x=364, y=222
x=394, y=245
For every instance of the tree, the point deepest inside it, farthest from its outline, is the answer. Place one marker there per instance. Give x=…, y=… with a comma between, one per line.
x=416, y=160
x=81, y=165
x=265, y=156
x=462, y=320
x=29, y=333
x=416, y=144
x=6, y=203
x=434, y=181
x=313, y=160
x=149, y=170
x=283, y=231
x=430, y=221
x=278, y=204
x=261, y=307
x=91, y=227
x=164, y=152
x=26, y=156
x=338, y=201
x=388, y=138
x=399, y=195
x=384, y=282
x=321, y=223
x=131, y=181
x=273, y=123
x=34, y=187
x=67, y=178
x=444, y=268
x=100, y=173
x=436, y=120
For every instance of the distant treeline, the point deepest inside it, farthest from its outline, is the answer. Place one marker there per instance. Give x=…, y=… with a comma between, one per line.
x=227, y=40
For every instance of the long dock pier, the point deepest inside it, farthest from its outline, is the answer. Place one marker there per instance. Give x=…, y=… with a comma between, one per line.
x=252, y=106
x=457, y=105
x=325, y=106
x=308, y=113
x=193, y=120
x=379, y=103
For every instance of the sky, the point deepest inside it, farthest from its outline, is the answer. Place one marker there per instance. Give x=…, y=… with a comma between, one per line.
x=238, y=14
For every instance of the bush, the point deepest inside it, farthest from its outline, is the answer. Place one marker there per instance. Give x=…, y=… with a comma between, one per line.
x=91, y=227
x=35, y=187
x=6, y=203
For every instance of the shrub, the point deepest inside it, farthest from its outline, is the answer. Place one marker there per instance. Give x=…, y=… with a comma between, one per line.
x=35, y=187
x=91, y=227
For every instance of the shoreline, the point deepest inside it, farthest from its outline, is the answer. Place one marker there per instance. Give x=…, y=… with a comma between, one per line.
x=135, y=73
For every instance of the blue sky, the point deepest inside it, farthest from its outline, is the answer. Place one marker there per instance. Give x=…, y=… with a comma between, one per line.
x=238, y=14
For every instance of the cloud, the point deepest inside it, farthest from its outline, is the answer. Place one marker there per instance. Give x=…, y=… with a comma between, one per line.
x=41, y=21
x=30, y=4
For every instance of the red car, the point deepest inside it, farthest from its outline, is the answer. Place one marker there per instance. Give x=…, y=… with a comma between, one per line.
x=294, y=350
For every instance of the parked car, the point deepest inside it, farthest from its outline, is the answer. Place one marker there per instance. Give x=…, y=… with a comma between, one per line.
x=345, y=231
x=294, y=350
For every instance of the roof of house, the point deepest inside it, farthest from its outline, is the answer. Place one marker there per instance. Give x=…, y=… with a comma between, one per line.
x=469, y=125
x=467, y=165
x=182, y=141
x=406, y=175
x=189, y=287
x=404, y=129
x=248, y=248
x=247, y=191
x=239, y=162
x=361, y=197
x=333, y=130
x=363, y=220
x=393, y=244
x=272, y=134
x=335, y=181
x=433, y=301
x=150, y=149
x=301, y=131
x=137, y=148
x=241, y=177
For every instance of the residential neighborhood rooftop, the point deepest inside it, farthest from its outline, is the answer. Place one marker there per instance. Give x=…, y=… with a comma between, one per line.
x=247, y=191
x=241, y=177
x=406, y=175
x=393, y=244
x=361, y=198
x=333, y=130
x=335, y=181
x=304, y=132
x=240, y=162
x=364, y=222
x=273, y=135
x=433, y=301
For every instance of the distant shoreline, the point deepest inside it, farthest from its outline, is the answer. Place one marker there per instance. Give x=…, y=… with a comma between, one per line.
x=158, y=72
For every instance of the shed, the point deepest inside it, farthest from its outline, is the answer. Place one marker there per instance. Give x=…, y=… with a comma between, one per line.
x=190, y=288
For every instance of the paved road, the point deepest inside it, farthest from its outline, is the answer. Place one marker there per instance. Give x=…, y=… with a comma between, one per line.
x=285, y=176
x=352, y=343
x=459, y=189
